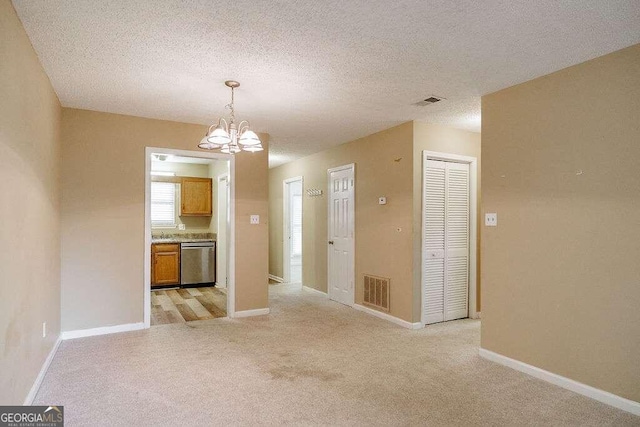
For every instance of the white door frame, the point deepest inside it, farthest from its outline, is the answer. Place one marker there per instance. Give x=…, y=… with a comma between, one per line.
x=286, y=259
x=473, y=226
x=219, y=179
x=231, y=289
x=351, y=166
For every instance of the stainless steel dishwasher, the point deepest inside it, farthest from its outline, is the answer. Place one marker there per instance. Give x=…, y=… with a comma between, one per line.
x=197, y=263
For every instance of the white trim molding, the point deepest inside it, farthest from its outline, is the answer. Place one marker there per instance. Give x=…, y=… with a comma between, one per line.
x=276, y=278
x=226, y=225
x=146, y=284
x=388, y=317
x=250, y=313
x=564, y=382
x=315, y=291
x=82, y=333
x=43, y=371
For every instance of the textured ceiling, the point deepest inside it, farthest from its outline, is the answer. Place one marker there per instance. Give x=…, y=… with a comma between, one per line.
x=314, y=73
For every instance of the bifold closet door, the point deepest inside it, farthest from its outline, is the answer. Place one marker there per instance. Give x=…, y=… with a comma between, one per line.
x=445, y=241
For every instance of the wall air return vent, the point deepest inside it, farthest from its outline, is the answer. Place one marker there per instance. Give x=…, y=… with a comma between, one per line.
x=430, y=100
x=376, y=292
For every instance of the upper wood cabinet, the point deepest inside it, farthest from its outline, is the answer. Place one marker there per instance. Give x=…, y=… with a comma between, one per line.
x=195, y=196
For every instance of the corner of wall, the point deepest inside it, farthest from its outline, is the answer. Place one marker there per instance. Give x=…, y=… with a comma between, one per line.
x=30, y=168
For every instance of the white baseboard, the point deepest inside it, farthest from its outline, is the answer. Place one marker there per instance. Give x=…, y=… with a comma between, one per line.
x=43, y=370
x=276, y=278
x=388, y=317
x=249, y=313
x=569, y=384
x=324, y=294
x=81, y=333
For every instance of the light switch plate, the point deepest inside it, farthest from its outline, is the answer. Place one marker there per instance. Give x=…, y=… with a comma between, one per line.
x=255, y=219
x=491, y=219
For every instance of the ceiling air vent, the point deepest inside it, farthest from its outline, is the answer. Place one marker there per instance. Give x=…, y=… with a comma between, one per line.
x=430, y=100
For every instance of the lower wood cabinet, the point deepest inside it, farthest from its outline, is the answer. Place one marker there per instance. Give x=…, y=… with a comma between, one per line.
x=165, y=264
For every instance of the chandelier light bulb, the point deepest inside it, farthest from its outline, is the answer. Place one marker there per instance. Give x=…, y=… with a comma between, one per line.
x=230, y=149
x=249, y=137
x=219, y=136
x=253, y=148
x=205, y=144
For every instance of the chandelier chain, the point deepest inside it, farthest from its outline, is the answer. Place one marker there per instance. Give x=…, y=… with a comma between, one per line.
x=233, y=112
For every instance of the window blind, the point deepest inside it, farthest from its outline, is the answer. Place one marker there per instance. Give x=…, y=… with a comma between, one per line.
x=163, y=204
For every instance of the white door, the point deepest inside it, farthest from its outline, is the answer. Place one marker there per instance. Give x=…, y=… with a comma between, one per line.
x=445, y=241
x=341, y=234
x=222, y=239
x=292, y=247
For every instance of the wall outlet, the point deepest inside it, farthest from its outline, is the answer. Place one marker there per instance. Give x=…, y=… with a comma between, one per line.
x=44, y=329
x=491, y=219
x=255, y=219
x=181, y=227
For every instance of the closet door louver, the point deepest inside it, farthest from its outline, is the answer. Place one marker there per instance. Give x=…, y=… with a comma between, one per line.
x=457, y=241
x=434, y=240
x=446, y=241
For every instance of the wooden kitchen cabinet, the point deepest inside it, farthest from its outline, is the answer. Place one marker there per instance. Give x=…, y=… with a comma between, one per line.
x=165, y=264
x=195, y=196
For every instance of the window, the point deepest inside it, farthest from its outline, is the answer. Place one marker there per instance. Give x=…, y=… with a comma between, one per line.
x=163, y=204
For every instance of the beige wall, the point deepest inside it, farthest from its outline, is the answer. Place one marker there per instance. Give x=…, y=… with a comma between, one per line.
x=103, y=172
x=182, y=169
x=388, y=163
x=561, y=277
x=252, y=241
x=29, y=210
x=380, y=249
x=442, y=139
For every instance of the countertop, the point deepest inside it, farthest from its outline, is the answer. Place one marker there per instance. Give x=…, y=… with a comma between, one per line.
x=182, y=237
x=179, y=240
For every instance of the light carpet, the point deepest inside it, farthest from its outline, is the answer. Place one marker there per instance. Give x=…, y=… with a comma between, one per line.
x=311, y=361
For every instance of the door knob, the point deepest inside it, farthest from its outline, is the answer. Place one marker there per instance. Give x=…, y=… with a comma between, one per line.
x=331, y=242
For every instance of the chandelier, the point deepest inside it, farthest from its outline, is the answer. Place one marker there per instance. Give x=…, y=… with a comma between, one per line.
x=229, y=137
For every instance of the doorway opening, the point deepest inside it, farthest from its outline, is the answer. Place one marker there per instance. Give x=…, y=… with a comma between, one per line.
x=341, y=234
x=449, y=236
x=292, y=228
x=189, y=254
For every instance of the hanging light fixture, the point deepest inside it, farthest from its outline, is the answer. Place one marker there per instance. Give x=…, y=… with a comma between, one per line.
x=229, y=137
